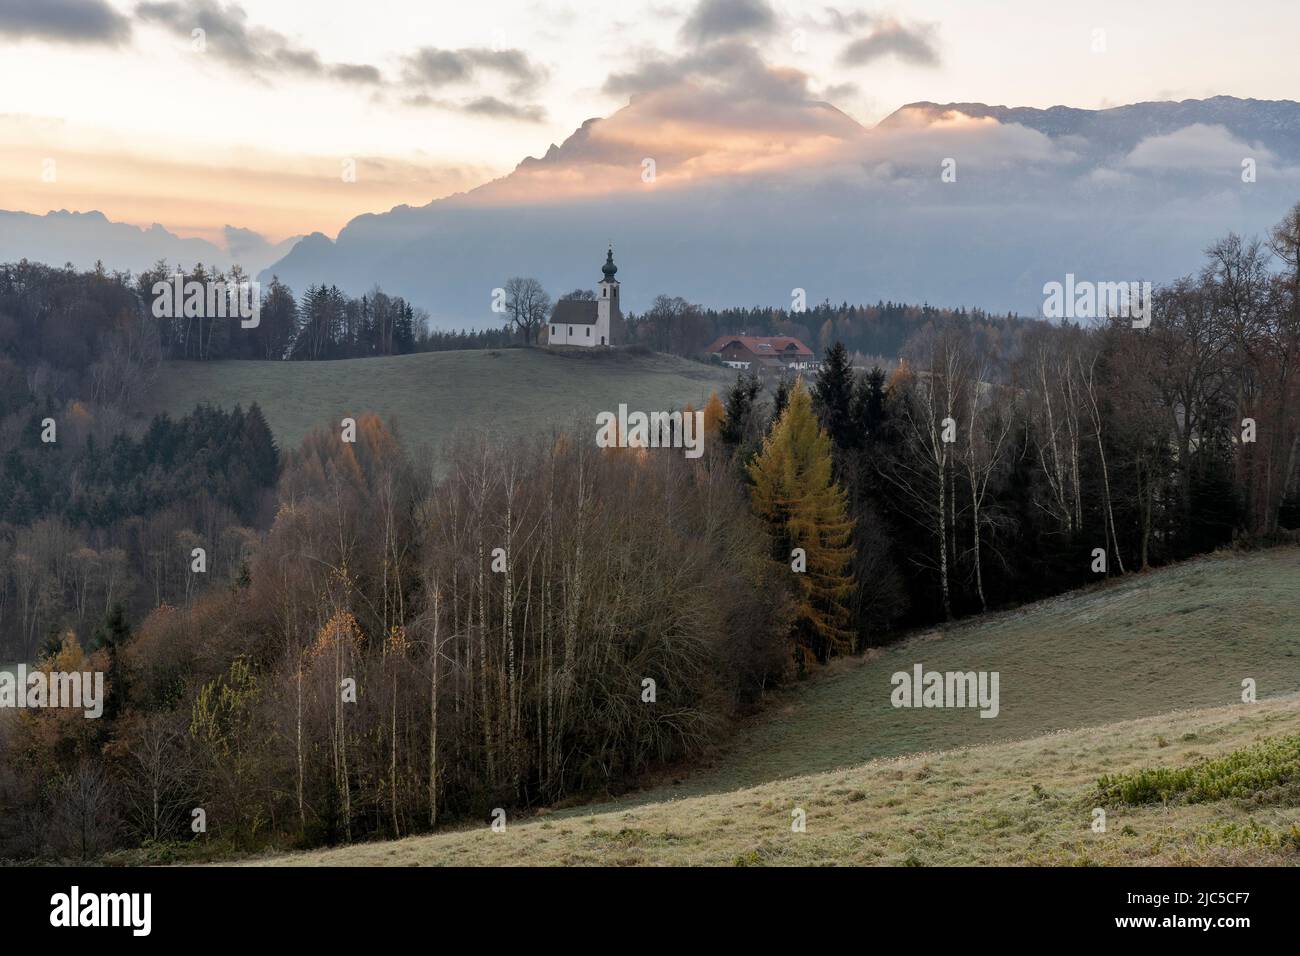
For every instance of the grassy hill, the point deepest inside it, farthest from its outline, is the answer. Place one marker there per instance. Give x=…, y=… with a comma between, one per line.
x=1144, y=662
x=1181, y=637
x=434, y=395
x=1028, y=802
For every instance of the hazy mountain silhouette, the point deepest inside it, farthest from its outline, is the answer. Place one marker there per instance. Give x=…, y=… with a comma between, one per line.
x=845, y=213
x=84, y=238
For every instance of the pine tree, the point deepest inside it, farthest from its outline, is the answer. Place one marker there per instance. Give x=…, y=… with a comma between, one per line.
x=258, y=449
x=112, y=634
x=869, y=405
x=793, y=490
x=740, y=405
x=405, y=334
x=279, y=321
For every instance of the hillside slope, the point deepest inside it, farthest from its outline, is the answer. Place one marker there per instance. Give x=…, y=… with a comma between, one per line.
x=1158, y=644
x=432, y=396
x=1180, y=637
x=1029, y=802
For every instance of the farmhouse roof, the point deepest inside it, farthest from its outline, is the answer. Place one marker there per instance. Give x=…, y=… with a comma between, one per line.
x=786, y=345
x=574, y=312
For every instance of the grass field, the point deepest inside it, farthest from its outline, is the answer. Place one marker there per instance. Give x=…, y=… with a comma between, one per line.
x=1145, y=671
x=1028, y=802
x=433, y=395
x=1181, y=637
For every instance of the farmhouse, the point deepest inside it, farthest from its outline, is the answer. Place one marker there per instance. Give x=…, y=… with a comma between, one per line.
x=585, y=323
x=767, y=355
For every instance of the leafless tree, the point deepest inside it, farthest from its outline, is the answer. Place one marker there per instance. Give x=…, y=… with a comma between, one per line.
x=85, y=818
x=528, y=306
x=931, y=409
x=158, y=777
x=989, y=417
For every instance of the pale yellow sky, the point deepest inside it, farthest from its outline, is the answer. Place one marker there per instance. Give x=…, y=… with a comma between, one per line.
x=143, y=127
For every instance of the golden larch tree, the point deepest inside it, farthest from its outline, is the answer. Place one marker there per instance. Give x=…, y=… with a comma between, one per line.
x=794, y=491
x=714, y=413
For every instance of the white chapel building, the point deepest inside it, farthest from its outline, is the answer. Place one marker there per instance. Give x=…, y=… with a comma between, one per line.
x=585, y=323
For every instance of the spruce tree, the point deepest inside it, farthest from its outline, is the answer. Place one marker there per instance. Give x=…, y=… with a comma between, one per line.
x=832, y=395
x=112, y=634
x=869, y=405
x=258, y=448
x=734, y=429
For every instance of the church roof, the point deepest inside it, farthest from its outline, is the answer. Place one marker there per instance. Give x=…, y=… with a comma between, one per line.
x=574, y=312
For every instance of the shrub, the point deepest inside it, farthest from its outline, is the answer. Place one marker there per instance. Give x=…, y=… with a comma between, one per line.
x=1241, y=773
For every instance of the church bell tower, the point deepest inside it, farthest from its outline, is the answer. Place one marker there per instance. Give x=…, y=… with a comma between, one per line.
x=607, y=309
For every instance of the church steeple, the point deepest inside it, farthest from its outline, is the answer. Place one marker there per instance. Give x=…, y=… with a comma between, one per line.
x=609, y=268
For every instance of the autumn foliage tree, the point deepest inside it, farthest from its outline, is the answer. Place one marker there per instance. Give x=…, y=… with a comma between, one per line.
x=795, y=492
x=714, y=414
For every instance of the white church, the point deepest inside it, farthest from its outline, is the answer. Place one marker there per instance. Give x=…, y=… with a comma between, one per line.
x=584, y=323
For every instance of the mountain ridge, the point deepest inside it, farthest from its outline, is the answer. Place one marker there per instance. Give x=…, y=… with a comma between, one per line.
x=1241, y=116
x=842, y=211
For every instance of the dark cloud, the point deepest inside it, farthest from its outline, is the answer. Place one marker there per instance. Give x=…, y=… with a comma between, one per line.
x=298, y=61
x=65, y=21
x=914, y=44
x=437, y=67
x=431, y=67
x=727, y=86
x=355, y=73
x=430, y=70
x=515, y=64
x=840, y=91
x=228, y=36
x=499, y=109
x=733, y=64
x=490, y=106
x=724, y=19
x=226, y=33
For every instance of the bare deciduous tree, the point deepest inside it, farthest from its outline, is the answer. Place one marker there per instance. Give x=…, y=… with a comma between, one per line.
x=528, y=306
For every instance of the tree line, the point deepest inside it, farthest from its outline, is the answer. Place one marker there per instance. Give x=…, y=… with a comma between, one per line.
x=871, y=333
x=89, y=522
x=973, y=478
x=546, y=621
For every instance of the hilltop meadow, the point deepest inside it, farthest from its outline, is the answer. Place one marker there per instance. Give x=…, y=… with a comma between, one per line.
x=431, y=397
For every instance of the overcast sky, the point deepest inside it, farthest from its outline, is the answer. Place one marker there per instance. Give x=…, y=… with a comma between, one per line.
x=251, y=122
